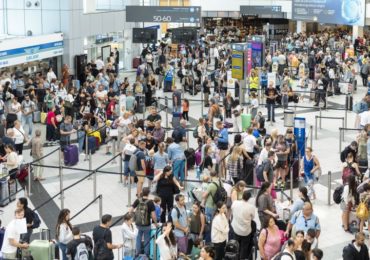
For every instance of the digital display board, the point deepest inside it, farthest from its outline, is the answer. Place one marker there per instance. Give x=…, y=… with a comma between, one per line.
x=184, y=35
x=259, y=9
x=144, y=35
x=163, y=14
x=349, y=12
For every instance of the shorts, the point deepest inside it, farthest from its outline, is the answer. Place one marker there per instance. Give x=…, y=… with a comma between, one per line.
x=63, y=145
x=140, y=176
x=127, y=171
x=282, y=164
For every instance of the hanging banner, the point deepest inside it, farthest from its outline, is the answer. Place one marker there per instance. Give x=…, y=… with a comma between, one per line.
x=237, y=65
x=300, y=133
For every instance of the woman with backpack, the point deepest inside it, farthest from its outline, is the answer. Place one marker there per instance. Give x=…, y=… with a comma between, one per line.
x=350, y=199
x=269, y=240
x=349, y=167
x=167, y=187
x=64, y=231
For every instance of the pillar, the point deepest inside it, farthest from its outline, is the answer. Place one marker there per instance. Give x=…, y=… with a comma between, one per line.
x=301, y=27
x=357, y=31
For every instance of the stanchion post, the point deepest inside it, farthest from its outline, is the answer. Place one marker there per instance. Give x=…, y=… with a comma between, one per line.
x=114, y=151
x=90, y=165
x=329, y=188
x=30, y=176
x=202, y=101
x=94, y=184
x=187, y=138
x=129, y=190
x=86, y=147
x=61, y=181
x=166, y=104
x=311, y=136
x=342, y=130
x=340, y=140
x=320, y=118
x=345, y=112
x=291, y=180
x=316, y=128
x=100, y=206
x=121, y=169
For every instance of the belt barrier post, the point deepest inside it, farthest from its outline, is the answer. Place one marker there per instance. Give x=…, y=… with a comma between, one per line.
x=100, y=206
x=271, y=109
x=121, y=169
x=155, y=246
x=30, y=176
x=329, y=187
x=90, y=166
x=86, y=147
x=311, y=135
x=61, y=180
x=202, y=102
x=114, y=151
x=187, y=138
x=291, y=180
x=166, y=106
x=345, y=113
x=342, y=130
x=144, y=108
x=320, y=119
x=316, y=128
x=129, y=189
x=254, y=182
x=340, y=140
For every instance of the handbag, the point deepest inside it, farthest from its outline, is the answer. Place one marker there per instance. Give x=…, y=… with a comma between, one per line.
x=176, y=189
x=362, y=212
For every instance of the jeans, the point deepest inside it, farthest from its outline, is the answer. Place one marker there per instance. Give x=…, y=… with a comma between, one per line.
x=220, y=250
x=245, y=241
x=26, y=237
x=27, y=120
x=81, y=140
x=63, y=249
x=126, y=170
x=270, y=112
x=50, y=133
x=179, y=169
x=143, y=231
x=209, y=212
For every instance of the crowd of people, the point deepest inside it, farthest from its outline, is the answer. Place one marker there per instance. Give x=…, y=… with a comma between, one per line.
x=222, y=221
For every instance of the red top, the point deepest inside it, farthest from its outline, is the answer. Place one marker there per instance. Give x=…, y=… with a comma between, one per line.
x=109, y=108
x=49, y=116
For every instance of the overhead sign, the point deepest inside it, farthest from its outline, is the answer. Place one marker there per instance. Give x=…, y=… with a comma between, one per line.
x=259, y=10
x=22, y=50
x=163, y=14
x=237, y=65
x=350, y=12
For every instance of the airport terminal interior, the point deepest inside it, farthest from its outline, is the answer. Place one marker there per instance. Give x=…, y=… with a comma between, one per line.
x=184, y=129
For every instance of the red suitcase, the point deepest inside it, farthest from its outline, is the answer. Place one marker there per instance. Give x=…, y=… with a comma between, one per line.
x=136, y=62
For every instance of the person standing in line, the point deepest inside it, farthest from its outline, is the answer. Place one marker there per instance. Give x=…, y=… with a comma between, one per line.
x=129, y=234
x=27, y=107
x=141, y=166
x=181, y=225
x=12, y=240
x=66, y=129
x=64, y=231
x=271, y=95
x=223, y=146
x=357, y=249
x=243, y=215
x=76, y=242
x=102, y=236
x=220, y=230
x=37, y=152
x=22, y=204
x=167, y=243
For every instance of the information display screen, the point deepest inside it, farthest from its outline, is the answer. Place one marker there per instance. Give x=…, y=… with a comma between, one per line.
x=144, y=35
x=259, y=9
x=184, y=35
x=349, y=12
x=163, y=14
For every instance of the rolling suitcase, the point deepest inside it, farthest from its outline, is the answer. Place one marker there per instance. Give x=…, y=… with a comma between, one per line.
x=42, y=249
x=4, y=192
x=36, y=117
x=12, y=190
x=246, y=121
x=176, y=118
x=136, y=62
x=140, y=101
x=154, y=234
x=71, y=155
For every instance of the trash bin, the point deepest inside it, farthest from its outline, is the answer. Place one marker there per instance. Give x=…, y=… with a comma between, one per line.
x=288, y=118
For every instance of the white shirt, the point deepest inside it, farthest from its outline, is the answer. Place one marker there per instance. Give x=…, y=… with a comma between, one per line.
x=50, y=76
x=220, y=229
x=249, y=142
x=243, y=214
x=65, y=234
x=99, y=64
x=166, y=252
x=288, y=257
x=18, y=135
x=263, y=156
x=11, y=232
x=100, y=95
x=129, y=234
x=254, y=103
x=365, y=118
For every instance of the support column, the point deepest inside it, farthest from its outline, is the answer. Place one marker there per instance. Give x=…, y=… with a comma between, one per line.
x=301, y=27
x=357, y=31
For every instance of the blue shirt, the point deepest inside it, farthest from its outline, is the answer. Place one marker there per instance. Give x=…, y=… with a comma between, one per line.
x=158, y=212
x=160, y=160
x=256, y=133
x=175, y=152
x=179, y=215
x=223, y=136
x=301, y=223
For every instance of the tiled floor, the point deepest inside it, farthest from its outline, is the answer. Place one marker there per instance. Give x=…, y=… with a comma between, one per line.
x=115, y=196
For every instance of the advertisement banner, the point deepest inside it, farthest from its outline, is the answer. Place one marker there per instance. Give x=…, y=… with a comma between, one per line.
x=300, y=133
x=237, y=65
x=349, y=12
x=248, y=60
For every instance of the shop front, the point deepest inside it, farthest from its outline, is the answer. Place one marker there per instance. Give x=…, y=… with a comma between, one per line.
x=30, y=55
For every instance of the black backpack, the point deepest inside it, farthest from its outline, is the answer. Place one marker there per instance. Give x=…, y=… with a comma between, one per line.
x=232, y=250
x=220, y=194
x=337, y=195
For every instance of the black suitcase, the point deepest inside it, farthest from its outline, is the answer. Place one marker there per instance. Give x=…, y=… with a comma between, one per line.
x=190, y=158
x=248, y=172
x=140, y=104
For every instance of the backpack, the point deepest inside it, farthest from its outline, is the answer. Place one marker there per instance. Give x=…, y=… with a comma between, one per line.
x=141, y=213
x=259, y=171
x=220, y=194
x=132, y=163
x=195, y=132
x=347, y=171
x=337, y=195
x=177, y=211
x=81, y=252
x=36, y=220
x=101, y=250
x=280, y=256
x=362, y=212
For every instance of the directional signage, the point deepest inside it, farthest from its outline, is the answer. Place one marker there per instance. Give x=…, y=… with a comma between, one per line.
x=163, y=14
x=259, y=9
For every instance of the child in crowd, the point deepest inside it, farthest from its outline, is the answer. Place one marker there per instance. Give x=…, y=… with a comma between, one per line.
x=311, y=238
x=157, y=203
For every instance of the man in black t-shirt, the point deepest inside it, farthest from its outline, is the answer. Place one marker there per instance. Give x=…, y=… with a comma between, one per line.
x=271, y=95
x=102, y=236
x=144, y=230
x=152, y=118
x=81, y=245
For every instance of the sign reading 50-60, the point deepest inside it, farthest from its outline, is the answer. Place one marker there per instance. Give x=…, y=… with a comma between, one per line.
x=163, y=14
